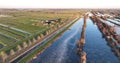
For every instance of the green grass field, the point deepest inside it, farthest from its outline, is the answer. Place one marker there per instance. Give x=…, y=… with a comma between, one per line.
x=19, y=25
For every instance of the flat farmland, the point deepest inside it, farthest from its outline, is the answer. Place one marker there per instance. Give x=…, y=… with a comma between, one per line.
x=17, y=26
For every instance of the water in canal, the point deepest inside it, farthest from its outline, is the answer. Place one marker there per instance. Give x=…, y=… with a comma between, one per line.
x=116, y=27
x=63, y=50
x=96, y=46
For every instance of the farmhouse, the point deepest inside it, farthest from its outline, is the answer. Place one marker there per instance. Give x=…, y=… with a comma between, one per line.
x=47, y=22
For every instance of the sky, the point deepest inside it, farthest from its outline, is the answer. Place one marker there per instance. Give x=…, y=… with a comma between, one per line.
x=59, y=4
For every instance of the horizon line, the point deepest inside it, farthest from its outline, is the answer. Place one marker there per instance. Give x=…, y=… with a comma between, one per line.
x=53, y=8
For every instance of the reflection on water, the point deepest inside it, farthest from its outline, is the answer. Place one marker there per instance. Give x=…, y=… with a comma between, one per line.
x=117, y=28
x=64, y=49
x=114, y=21
x=107, y=22
x=96, y=46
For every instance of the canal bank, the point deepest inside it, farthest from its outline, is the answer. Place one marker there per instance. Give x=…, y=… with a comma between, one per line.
x=81, y=42
x=96, y=46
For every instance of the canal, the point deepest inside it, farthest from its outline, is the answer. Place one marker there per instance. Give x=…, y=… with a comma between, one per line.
x=96, y=46
x=117, y=28
x=64, y=49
